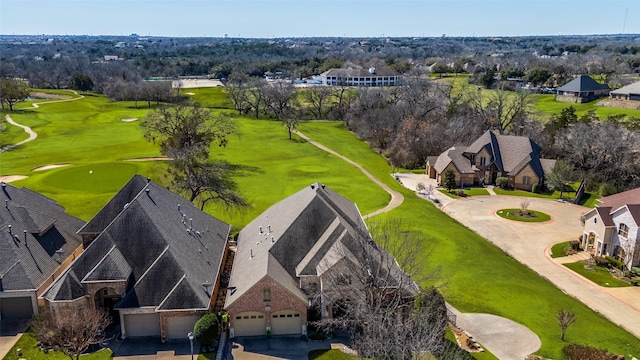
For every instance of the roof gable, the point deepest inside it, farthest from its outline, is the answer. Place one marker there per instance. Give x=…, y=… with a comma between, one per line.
x=35, y=235
x=155, y=242
x=618, y=200
x=631, y=89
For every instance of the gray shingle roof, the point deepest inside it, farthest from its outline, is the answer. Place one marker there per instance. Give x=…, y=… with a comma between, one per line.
x=631, y=89
x=583, y=83
x=25, y=264
x=160, y=243
x=454, y=154
x=293, y=238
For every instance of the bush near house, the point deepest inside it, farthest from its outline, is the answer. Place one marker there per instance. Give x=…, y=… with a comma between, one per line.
x=614, y=263
x=206, y=331
x=502, y=182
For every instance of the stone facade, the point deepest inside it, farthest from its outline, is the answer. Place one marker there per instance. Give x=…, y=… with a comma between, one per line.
x=525, y=179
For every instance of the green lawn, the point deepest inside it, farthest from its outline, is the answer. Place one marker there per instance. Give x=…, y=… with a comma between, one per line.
x=557, y=250
x=513, y=214
x=473, y=275
x=30, y=351
x=497, y=284
x=333, y=354
x=598, y=275
x=214, y=97
x=548, y=105
x=467, y=192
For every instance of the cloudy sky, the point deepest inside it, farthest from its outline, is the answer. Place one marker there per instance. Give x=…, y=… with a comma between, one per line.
x=300, y=18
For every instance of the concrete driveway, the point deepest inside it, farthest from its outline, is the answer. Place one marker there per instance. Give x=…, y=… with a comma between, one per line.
x=10, y=332
x=529, y=242
x=293, y=348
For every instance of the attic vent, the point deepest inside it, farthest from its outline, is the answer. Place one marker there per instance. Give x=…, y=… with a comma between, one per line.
x=323, y=186
x=148, y=180
x=125, y=206
x=251, y=254
x=9, y=226
x=178, y=207
x=25, y=236
x=6, y=204
x=273, y=240
x=4, y=184
x=147, y=191
x=269, y=228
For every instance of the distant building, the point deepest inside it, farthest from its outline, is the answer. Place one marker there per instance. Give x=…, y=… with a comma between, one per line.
x=582, y=89
x=361, y=77
x=630, y=92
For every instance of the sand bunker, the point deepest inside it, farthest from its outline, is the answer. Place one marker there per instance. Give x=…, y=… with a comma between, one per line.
x=190, y=93
x=48, y=167
x=129, y=119
x=10, y=178
x=47, y=96
x=159, y=158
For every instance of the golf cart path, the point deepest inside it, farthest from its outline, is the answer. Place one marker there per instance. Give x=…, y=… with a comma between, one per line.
x=32, y=134
x=396, y=197
x=493, y=332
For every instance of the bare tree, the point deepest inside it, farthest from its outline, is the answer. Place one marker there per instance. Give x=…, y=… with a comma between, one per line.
x=318, y=98
x=375, y=298
x=565, y=319
x=237, y=88
x=499, y=110
x=72, y=333
x=278, y=99
x=524, y=206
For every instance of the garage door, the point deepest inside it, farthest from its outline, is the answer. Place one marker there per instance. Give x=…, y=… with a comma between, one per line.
x=142, y=325
x=286, y=322
x=178, y=327
x=250, y=323
x=16, y=308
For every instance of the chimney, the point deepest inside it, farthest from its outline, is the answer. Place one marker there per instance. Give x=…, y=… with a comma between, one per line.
x=261, y=230
x=273, y=240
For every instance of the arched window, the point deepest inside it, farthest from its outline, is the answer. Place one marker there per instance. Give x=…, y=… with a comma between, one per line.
x=623, y=230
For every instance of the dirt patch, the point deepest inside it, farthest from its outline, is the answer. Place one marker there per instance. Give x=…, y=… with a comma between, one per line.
x=465, y=341
x=129, y=119
x=159, y=158
x=10, y=178
x=48, y=167
x=47, y=96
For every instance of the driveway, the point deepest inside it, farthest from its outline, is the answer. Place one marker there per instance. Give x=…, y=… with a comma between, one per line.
x=529, y=243
x=293, y=348
x=10, y=332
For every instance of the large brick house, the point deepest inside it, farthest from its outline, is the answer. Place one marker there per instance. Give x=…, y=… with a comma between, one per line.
x=491, y=156
x=289, y=256
x=612, y=227
x=152, y=260
x=38, y=240
x=582, y=89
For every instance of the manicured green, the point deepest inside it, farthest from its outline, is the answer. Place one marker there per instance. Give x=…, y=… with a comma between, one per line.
x=28, y=344
x=497, y=284
x=548, y=195
x=467, y=192
x=90, y=132
x=597, y=274
x=557, y=250
x=214, y=97
x=514, y=214
x=548, y=105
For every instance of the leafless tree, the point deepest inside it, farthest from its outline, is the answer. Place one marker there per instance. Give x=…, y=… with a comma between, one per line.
x=524, y=206
x=500, y=109
x=318, y=98
x=278, y=99
x=565, y=319
x=237, y=88
x=375, y=297
x=72, y=332
x=256, y=95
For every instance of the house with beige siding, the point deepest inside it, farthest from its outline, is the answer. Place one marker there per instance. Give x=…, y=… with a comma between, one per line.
x=152, y=260
x=491, y=156
x=612, y=228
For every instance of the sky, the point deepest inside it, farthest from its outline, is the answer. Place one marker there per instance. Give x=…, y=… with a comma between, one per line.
x=307, y=18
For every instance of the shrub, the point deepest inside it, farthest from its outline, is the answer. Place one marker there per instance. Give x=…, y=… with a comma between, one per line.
x=535, y=188
x=575, y=245
x=420, y=186
x=502, y=182
x=206, y=330
x=635, y=271
x=613, y=262
x=460, y=193
x=607, y=189
x=582, y=352
x=600, y=261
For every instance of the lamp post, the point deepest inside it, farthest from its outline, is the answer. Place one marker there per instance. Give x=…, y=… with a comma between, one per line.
x=190, y=336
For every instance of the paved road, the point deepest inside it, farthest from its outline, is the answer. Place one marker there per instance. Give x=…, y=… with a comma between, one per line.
x=529, y=244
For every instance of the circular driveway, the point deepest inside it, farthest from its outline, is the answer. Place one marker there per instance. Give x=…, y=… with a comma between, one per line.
x=524, y=241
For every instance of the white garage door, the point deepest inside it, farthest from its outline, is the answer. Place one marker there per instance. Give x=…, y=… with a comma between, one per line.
x=286, y=322
x=179, y=326
x=142, y=325
x=16, y=308
x=250, y=323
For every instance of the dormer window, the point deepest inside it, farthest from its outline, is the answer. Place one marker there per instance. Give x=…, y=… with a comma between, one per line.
x=483, y=161
x=623, y=231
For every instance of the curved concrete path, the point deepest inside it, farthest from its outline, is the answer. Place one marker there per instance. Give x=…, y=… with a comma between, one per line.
x=32, y=134
x=396, y=197
x=495, y=333
x=506, y=339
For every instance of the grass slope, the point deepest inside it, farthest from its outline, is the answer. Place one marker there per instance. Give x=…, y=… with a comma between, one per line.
x=30, y=350
x=474, y=275
x=597, y=274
